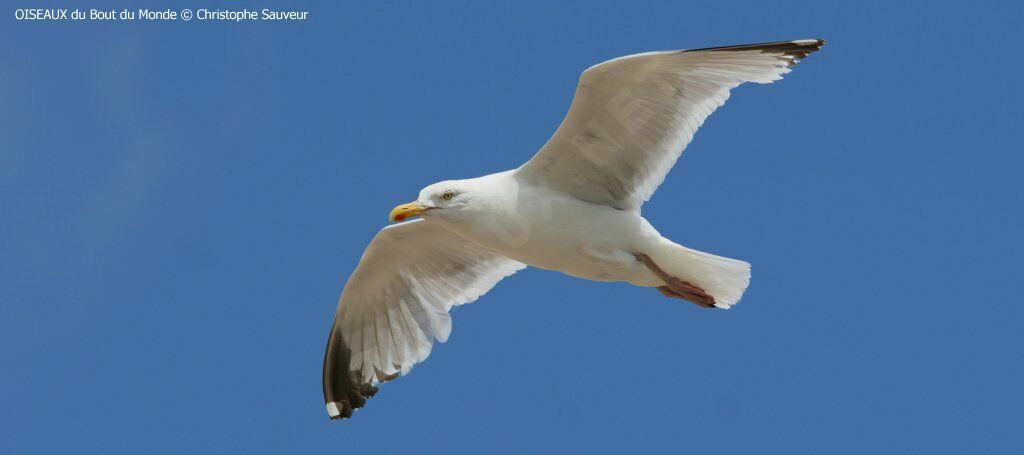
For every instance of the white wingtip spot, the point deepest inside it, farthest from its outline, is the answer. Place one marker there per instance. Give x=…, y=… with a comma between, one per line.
x=332, y=409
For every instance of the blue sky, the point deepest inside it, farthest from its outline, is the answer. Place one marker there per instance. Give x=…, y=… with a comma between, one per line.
x=183, y=203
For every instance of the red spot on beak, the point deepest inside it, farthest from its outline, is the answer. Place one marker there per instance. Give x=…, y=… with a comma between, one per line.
x=399, y=217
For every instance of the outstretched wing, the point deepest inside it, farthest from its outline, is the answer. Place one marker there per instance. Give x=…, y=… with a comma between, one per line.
x=396, y=304
x=632, y=117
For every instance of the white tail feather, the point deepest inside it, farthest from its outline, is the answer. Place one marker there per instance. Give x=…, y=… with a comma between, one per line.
x=723, y=278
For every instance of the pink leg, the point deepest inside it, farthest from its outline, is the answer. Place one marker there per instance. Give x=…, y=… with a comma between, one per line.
x=674, y=287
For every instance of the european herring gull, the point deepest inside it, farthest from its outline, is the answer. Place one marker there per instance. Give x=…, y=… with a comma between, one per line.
x=573, y=208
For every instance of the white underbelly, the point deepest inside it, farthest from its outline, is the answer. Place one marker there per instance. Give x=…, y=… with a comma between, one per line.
x=570, y=236
x=600, y=262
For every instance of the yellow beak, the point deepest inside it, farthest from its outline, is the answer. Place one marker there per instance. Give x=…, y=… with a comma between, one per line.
x=406, y=211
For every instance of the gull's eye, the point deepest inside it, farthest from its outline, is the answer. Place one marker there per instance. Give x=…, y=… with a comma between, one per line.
x=448, y=195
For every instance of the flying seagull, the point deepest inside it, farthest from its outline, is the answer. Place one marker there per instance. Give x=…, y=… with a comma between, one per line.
x=574, y=208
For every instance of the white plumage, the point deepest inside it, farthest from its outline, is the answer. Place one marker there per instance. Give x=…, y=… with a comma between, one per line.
x=574, y=208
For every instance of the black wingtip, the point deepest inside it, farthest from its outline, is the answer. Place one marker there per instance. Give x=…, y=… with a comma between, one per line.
x=796, y=49
x=334, y=411
x=806, y=46
x=343, y=391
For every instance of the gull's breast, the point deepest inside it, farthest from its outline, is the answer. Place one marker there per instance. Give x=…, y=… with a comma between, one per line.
x=555, y=232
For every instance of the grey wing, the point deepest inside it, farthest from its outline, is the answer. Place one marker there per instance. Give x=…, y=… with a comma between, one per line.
x=396, y=304
x=632, y=117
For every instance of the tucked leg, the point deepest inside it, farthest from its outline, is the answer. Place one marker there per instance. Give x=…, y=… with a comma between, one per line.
x=674, y=287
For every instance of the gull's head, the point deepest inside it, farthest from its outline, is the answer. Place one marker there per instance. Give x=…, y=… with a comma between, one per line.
x=442, y=199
